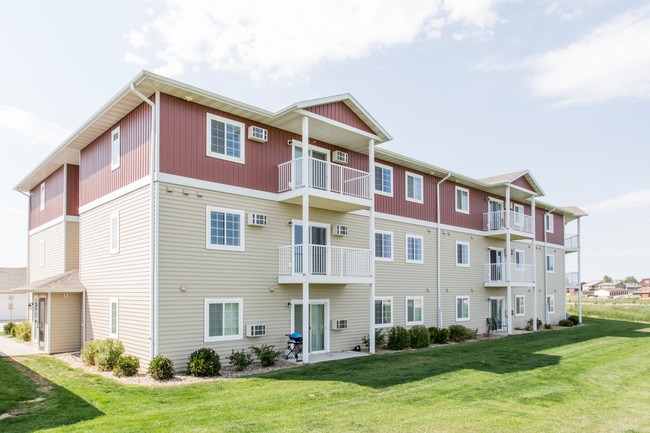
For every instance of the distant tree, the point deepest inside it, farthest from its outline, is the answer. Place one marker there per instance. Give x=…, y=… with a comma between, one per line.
x=608, y=279
x=631, y=280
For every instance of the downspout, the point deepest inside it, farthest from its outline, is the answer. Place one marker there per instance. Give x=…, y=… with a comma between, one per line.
x=546, y=269
x=152, y=216
x=533, y=211
x=65, y=213
x=438, y=240
x=30, y=297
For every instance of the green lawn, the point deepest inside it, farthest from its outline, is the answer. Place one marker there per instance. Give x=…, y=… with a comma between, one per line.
x=591, y=378
x=588, y=300
x=631, y=313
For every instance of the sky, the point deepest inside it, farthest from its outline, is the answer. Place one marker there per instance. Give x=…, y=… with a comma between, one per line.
x=480, y=87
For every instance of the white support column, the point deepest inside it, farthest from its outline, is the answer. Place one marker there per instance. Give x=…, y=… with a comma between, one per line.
x=532, y=207
x=508, y=283
x=305, y=241
x=371, y=224
x=579, y=276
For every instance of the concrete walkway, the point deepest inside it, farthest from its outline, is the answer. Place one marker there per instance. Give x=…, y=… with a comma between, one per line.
x=331, y=356
x=12, y=347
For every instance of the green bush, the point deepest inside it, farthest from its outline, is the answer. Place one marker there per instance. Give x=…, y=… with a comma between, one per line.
x=575, y=319
x=266, y=354
x=89, y=351
x=161, y=368
x=420, y=336
x=108, y=352
x=458, y=333
x=380, y=338
x=439, y=335
x=240, y=359
x=547, y=326
x=565, y=322
x=472, y=334
x=529, y=325
x=203, y=363
x=126, y=365
x=9, y=328
x=398, y=338
x=23, y=330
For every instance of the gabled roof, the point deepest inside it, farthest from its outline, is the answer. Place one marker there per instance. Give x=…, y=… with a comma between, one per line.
x=509, y=178
x=66, y=282
x=12, y=277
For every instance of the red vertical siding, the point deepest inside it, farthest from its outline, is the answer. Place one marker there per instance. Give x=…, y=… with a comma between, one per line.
x=73, y=190
x=523, y=183
x=477, y=207
x=183, y=138
x=557, y=237
x=96, y=177
x=53, y=200
x=340, y=112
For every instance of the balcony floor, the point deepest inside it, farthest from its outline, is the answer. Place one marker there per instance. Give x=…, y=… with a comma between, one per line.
x=323, y=199
x=504, y=284
x=323, y=279
x=514, y=234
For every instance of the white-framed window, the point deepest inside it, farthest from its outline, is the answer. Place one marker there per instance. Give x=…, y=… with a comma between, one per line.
x=462, y=253
x=519, y=215
x=414, y=187
x=115, y=232
x=414, y=310
x=383, y=245
x=113, y=324
x=520, y=309
x=550, y=303
x=383, y=311
x=548, y=222
x=383, y=179
x=520, y=259
x=224, y=229
x=115, y=148
x=414, y=249
x=224, y=318
x=462, y=308
x=41, y=252
x=225, y=139
x=550, y=263
x=43, y=196
x=462, y=200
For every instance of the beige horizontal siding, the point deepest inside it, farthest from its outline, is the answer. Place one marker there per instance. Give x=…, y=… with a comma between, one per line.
x=65, y=322
x=125, y=275
x=53, y=263
x=72, y=245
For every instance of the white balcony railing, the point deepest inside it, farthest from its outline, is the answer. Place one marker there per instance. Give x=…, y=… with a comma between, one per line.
x=571, y=280
x=571, y=242
x=496, y=273
x=325, y=176
x=326, y=261
x=518, y=221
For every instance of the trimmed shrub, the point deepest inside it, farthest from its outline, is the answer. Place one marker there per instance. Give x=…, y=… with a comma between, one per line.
x=203, y=363
x=420, y=336
x=547, y=326
x=565, y=322
x=9, y=328
x=89, y=352
x=439, y=335
x=23, y=330
x=161, y=368
x=108, y=352
x=266, y=354
x=472, y=334
x=575, y=319
x=126, y=365
x=529, y=324
x=380, y=339
x=458, y=333
x=240, y=359
x=398, y=338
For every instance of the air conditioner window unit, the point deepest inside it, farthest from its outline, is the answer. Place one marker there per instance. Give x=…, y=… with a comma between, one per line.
x=257, y=219
x=339, y=324
x=341, y=230
x=255, y=330
x=256, y=133
x=341, y=157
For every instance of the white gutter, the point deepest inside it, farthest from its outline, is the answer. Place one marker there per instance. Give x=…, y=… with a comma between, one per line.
x=152, y=216
x=438, y=240
x=546, y=269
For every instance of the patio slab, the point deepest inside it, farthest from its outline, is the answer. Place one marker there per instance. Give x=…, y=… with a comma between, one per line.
x=12, y=347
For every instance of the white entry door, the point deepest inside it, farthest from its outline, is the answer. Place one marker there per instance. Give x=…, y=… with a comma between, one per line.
x=318, y=319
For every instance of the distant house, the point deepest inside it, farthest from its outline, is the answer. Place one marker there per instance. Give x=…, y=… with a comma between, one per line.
x=643, y=293
x=632, y=287
x=609, y=290
x=645, y=282
x=13, y=306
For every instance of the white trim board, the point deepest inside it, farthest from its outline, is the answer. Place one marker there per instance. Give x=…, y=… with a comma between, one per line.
x=53, y=223
x=217, y=187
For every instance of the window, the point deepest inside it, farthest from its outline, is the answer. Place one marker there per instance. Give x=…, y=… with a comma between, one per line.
x=43, y=196
x=115, y=148
x=414, y=249
x=462, y=253
x=42, y=252
x=518, y=219
x=112, y=332
x=414, y=187
x=462, y=200
x=224, y=319
x=414, y=310
x=550, y=263
x=384, y=245
x=383, y=312
x=520, y=259
x=550, y=303
x=519, y=305
x=224, y=229
x=115, y=233
x=548, y=220
x=225, y=139
x=462, y=308
x=383, y=179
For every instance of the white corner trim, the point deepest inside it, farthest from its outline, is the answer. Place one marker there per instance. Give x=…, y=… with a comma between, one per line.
x=115, y=194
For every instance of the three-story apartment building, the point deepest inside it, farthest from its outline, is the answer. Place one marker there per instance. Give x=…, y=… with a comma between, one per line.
x=175, y=219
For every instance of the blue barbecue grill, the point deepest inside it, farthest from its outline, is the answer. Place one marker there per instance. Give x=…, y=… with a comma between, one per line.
x=294, y=346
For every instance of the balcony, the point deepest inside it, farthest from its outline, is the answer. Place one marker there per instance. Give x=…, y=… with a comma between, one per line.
x=521, y=226
x=326, y=265
x=571, y=280
x=571, y=244
x=520, y=275
x=330, y=186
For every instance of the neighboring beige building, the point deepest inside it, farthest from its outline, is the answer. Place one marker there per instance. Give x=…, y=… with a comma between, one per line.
x=13, y=306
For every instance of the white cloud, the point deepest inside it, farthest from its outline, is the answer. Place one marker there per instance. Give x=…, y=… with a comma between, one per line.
x=32, y=129
x=569, y=9
x=283, y=39
x=625, y=201
x=130, y=57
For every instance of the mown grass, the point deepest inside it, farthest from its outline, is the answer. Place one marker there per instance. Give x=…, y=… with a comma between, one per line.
x=588, y=378
x=631, y=313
